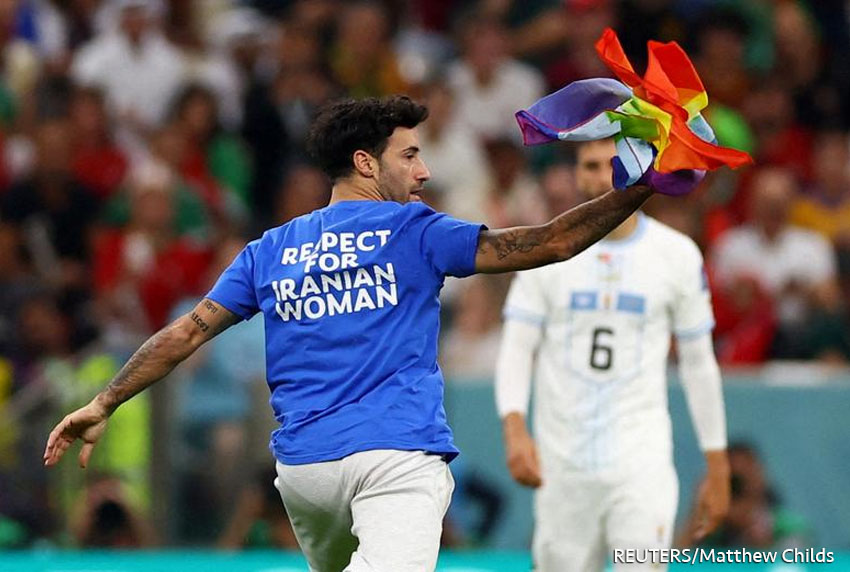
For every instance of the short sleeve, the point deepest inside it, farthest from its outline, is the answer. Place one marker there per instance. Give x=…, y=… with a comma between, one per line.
x=235, y=287
x=526, y=301
x=450, y=244
x=692, y=313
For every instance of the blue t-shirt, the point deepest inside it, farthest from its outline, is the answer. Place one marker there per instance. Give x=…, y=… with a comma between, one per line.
x=349, y=295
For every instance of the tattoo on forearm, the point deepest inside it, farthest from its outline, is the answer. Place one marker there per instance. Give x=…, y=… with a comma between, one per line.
x=520, y=240
x=591, y=221
x=162, y=352
x=151, y=362
x=200, y=321
x=563, y=237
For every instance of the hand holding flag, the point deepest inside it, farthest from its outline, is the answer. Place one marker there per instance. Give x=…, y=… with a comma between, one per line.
x=662, y=139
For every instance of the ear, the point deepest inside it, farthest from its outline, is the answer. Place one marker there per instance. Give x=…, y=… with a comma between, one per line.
x=365, y=164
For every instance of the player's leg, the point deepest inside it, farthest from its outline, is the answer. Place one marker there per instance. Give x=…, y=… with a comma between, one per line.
x=398, y=510
x=317, y=499
x=642, y=513
x=568, y=533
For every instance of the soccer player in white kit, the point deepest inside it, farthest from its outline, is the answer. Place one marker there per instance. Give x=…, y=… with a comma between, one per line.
x=594, y=333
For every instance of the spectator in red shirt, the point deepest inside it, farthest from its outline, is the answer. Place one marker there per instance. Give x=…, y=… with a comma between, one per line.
x=97, y=160
x=145, y=265
x=212, y=160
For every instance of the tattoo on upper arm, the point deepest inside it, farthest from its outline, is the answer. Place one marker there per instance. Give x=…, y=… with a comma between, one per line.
x=210, y=306
x=200, y=322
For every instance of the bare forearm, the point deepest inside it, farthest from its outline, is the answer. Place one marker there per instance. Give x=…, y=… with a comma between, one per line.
x=154, y=360
x=164, y=350
x=562, y=238
x=513, y=425
x=717, y=464
x=588, y=223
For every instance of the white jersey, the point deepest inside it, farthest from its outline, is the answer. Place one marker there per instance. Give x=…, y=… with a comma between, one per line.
x=606, y=317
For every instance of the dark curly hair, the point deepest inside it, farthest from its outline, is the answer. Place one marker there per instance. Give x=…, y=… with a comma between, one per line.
x=344, y=126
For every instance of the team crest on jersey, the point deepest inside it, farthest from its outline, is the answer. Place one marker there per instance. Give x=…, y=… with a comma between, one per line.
x=609, y=269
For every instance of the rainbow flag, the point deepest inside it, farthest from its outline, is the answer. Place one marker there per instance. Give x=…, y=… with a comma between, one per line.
x=662, y=138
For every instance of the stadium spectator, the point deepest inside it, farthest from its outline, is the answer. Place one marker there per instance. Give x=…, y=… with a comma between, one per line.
x=278, y=111
x=236, y=46
x=363, y=60
x=104, y=518
x=780, y=139
x=211, y=159
x=22, y=67
x=50, y=377
x=585, y=22
x=142, y=270
x=41, y=24
x=800, y=56
x=746, y=322
x=489, y=85
x=721, y=38
x=457, y=157
x=98, y=162
x=139, y=70
x=17, y=282
x=53, y=212
x=192, y=217
x=795, y=266
x=825, y=206
x=471, y=345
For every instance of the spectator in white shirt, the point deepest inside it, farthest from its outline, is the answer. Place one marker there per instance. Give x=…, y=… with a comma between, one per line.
x=137, y=67
x=458, y=162
x=490, y=86
x=237, y=39
x=796, y=266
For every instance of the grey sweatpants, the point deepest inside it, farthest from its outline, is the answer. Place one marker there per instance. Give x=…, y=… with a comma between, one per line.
x=375, y=511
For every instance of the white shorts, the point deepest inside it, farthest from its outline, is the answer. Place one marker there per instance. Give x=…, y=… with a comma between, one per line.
x=581, y=517
x=379, y=511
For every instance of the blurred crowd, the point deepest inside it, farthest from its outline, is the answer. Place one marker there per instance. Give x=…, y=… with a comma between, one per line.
x=143, y=142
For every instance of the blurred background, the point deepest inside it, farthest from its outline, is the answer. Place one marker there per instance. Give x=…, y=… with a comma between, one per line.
x=143, y=142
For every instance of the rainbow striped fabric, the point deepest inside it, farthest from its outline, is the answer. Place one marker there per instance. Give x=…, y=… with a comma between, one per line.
x=662, y=138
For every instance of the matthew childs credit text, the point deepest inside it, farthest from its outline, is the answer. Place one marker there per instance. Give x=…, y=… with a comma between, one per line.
x=738, y=555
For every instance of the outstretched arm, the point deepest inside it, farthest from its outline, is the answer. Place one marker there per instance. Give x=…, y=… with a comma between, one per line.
x=524, y=247
x=154, y=360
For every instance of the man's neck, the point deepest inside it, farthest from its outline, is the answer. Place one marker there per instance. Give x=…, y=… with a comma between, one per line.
x=625, y=230
x=354, y=190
